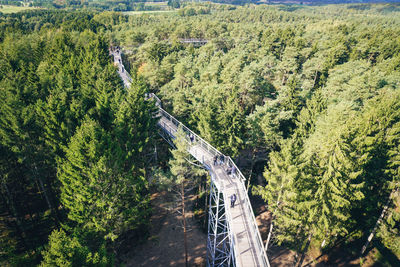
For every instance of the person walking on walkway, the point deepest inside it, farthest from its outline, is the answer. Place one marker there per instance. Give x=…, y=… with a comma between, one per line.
x=221, y=159
x=215, y=160
x=233, y=200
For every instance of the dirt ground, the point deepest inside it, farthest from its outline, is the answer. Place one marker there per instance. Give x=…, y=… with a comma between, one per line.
x=165, y=246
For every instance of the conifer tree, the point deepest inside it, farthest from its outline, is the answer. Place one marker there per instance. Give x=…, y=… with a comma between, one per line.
x=184, y=178
x=65, y=250
x=135, y=123
x=97, y=192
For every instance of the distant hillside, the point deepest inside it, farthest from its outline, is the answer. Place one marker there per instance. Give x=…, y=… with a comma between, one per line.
x=319, y=2
x=304, y=2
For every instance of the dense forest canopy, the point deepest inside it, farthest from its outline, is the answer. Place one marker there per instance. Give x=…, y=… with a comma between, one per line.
x=72, y=141
x=157, y=5
x=310, y=93
x=315, y=91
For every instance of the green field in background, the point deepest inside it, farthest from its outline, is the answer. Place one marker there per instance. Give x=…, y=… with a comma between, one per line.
x=14, y=9
x=147, y=12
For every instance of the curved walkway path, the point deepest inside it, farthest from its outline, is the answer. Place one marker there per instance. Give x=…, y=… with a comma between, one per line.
x=248, y=245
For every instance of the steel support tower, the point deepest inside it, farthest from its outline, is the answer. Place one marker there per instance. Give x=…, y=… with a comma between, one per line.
x=220, y=246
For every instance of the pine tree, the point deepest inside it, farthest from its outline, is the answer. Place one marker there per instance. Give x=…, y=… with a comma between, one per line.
x=66, y=250
x=184, y=178
x=97, y=192
x=281, y=194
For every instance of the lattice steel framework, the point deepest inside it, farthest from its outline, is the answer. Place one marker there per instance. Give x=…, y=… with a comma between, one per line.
x=220, y=245
x=220, y=240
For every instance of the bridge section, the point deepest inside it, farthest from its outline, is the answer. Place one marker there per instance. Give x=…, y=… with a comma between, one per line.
x=233, y=236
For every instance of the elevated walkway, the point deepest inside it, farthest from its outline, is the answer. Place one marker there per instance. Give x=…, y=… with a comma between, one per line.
x=233, y=236
x=247, y=243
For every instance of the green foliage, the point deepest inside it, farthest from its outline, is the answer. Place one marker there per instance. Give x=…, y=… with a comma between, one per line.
x=181, y=168
x=314, y=90
x=307, y=88
x=66, y=250
x=73, y=142
x=103, y=182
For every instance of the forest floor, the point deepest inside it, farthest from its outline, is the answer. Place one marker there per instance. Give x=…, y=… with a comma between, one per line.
x=165, y=247
x=343, y=255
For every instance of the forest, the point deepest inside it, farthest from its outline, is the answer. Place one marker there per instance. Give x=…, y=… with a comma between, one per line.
x=306, y=100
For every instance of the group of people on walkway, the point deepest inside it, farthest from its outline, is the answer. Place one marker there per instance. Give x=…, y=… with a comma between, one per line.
x=219, y=160
x=231, y=170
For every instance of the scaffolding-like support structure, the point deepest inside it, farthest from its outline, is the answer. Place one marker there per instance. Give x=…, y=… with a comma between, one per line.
x=221, y=241
x=220, y=245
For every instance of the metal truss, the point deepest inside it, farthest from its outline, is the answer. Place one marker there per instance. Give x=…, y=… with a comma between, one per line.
x=220, y=245
x=167, y=134
x=220, y=239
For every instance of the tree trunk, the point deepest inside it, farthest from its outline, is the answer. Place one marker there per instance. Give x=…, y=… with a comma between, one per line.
x=303, y=253
x=251, y=170
x=283, y=79
x=315, y=78
x=155, y=153
x=184, y=223
x=378, y=222
x=42, y=188
x=206, y=210
x=269, y=236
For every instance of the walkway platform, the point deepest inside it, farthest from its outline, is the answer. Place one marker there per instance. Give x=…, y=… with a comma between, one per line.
x=249, y=249
x=248, y=245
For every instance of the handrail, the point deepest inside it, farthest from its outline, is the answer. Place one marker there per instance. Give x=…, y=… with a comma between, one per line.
x=197, y=138
x=229, y=162
x=248, y=208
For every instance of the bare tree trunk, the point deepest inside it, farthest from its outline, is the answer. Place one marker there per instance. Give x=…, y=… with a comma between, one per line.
x=269, y=235
x=378, y=222
x=315, y=78
x=184, y=223
x=46, y=196
x=272, y=224
x=42, y=188
x=206, y=209
x=303, y=253
x=155, y=152
x=251, y=170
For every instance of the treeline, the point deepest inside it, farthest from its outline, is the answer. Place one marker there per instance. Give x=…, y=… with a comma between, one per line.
x=73, y=143
x=97, y=5
x=315, y=92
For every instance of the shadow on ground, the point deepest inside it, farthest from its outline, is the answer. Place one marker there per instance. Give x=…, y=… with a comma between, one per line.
x=165, y=245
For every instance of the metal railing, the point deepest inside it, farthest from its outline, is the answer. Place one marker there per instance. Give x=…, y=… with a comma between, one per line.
x=196, y=139
x=229, y=162
x=214, y=152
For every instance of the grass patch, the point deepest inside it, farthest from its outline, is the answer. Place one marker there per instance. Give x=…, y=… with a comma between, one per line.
x=160, y=4
x=6, y=9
